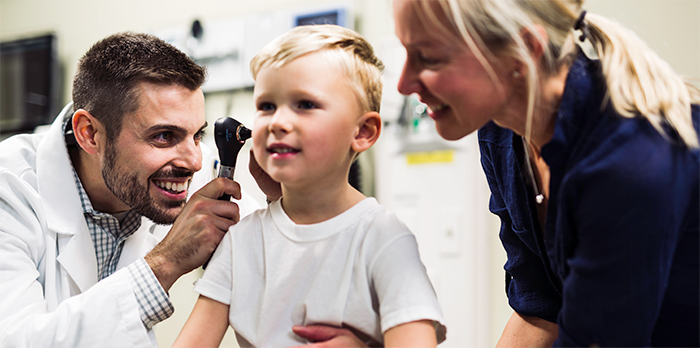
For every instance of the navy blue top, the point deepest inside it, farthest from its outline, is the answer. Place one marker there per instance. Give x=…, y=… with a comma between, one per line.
x=617, y=262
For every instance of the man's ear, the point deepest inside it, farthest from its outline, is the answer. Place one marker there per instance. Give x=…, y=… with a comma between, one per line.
x=85, y=129
x=369, y=128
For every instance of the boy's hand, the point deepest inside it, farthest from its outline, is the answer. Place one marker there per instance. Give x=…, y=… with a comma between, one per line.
x=327, y=336
x=272, y=189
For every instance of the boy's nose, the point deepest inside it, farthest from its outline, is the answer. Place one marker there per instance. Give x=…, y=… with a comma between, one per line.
x=281, y=121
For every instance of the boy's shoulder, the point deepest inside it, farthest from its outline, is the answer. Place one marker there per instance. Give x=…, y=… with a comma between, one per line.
x=384, y=224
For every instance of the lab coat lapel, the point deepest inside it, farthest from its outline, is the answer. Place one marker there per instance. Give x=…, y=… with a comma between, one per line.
x=64, y=212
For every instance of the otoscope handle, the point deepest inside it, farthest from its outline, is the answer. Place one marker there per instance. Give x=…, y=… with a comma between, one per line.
x=226, y=172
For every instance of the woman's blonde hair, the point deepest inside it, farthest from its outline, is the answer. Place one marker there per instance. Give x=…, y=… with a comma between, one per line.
x=353, y=53
x=639, y=82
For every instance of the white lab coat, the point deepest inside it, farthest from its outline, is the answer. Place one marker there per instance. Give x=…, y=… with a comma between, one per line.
x=49, y=292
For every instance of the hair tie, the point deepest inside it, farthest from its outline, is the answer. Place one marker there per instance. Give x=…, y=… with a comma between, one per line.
x=584, y=40
x=581, y=25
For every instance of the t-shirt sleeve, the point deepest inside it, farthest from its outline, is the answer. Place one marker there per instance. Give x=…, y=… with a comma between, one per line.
x=404, y=291
x=216, y=282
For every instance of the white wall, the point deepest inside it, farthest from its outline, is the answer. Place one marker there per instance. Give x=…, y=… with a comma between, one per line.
x=672, y=27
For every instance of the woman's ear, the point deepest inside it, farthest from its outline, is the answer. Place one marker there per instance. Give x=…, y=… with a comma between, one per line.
x=85, y=129
x=535, y=38
x=369, y=128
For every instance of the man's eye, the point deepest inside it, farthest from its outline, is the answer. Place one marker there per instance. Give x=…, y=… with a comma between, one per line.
x=165, y=136
x=199, y=135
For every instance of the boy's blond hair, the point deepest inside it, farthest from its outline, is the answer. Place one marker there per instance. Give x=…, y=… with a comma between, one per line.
x=355, y=56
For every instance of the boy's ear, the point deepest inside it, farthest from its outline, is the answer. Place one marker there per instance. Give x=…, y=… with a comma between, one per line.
x=369, y=128
x=85, y=129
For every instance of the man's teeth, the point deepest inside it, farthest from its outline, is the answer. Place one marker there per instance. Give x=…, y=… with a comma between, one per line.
x=172, y=186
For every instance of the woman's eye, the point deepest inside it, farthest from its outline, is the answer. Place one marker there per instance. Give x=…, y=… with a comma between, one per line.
x=427, y=60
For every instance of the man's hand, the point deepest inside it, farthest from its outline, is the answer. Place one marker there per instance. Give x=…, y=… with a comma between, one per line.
x=272, y=189
x=327, y=337
x=196, y=232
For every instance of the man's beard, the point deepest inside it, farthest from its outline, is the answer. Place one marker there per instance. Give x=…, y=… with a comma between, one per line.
x=126, y=186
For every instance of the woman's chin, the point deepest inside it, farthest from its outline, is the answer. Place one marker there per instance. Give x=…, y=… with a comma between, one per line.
x=451, y=132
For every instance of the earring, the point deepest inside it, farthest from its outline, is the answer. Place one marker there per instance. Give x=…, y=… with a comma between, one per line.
x=516, y=74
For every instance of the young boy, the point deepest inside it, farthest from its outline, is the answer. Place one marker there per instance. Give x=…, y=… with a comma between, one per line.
x=323, y=253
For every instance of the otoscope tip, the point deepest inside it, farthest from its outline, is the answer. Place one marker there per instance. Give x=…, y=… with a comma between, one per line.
x=243, y=133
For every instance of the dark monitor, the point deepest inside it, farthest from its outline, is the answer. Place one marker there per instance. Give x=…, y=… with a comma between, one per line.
x=28, y=84
x=335, y=16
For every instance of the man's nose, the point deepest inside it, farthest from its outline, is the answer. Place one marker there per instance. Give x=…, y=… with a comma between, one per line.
x=190, y=156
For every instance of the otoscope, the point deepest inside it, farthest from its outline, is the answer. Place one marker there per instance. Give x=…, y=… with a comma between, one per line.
x=230, y=135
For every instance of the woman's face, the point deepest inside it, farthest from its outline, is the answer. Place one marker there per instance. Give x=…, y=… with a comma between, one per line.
x=459, y=91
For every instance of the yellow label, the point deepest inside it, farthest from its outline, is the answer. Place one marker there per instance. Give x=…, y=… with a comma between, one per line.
x=441, y=156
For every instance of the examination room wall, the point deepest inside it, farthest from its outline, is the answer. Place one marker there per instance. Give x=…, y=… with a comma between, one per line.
x=443, y=201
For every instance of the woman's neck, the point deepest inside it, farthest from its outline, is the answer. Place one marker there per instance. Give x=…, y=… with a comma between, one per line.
x=545, y=111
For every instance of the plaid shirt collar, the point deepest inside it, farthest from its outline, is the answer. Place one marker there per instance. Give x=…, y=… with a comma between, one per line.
x=107, y=232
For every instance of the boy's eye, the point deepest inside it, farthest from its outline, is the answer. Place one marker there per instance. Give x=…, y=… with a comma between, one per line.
x=266, y=106
x=305, y=104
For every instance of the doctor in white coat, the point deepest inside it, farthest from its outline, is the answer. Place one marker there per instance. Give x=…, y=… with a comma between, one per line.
x=53, y=290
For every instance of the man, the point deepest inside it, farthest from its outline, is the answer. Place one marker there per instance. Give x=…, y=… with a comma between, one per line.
x=72, y=202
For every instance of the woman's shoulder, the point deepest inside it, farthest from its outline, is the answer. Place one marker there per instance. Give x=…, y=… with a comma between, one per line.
x=631, y=158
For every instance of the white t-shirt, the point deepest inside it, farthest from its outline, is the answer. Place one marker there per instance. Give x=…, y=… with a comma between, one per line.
x=360, y=270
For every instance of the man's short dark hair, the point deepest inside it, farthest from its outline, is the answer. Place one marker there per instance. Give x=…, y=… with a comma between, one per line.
x=109, y=72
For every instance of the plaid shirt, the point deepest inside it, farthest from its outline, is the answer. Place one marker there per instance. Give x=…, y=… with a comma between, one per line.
x=108, y=235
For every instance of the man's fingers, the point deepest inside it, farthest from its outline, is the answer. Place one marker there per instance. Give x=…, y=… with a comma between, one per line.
x=218, y=187
x=226, y=210
x=224, y=222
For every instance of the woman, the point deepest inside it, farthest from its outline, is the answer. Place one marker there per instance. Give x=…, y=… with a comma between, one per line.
x=590, y=146
x=589, y=143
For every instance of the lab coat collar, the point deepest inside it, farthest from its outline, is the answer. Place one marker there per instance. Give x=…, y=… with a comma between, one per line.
x=62, y=206
x=55, y=179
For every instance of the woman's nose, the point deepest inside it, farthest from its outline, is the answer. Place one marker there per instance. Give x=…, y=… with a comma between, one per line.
x=408, y=82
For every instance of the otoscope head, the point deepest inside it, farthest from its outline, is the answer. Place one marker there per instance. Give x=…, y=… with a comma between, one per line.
x=230, y=135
